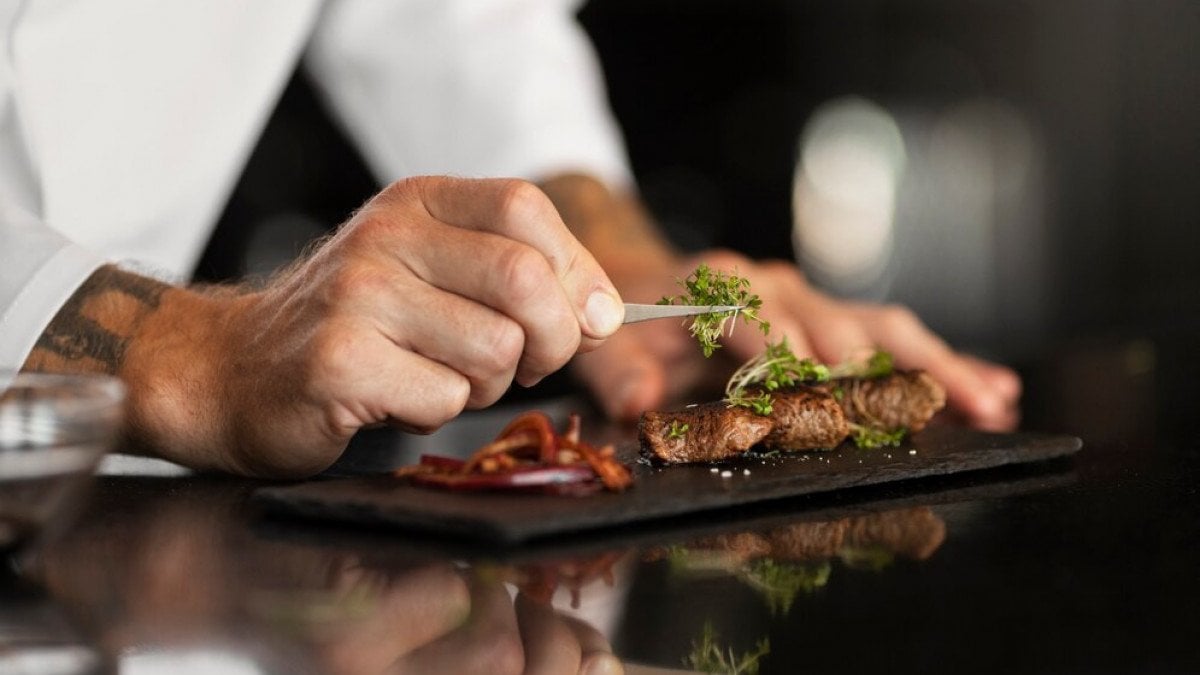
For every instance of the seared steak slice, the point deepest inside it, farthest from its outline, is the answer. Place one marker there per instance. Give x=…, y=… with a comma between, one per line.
x=906, y=398
x=714, y=432
x=808, y=541
x=914, y=532
x=805, y=418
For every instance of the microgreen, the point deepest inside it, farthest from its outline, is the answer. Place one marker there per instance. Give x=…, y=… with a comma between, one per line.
x=878, y=365
x=779, y=583
x=708, y=657
x=708, y=287
x=678, y=430
x=869, y=438
x=776, y=367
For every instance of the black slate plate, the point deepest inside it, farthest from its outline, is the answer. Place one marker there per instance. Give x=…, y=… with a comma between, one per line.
x=658, y=492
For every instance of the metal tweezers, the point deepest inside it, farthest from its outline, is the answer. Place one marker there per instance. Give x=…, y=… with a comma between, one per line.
x=635, y=312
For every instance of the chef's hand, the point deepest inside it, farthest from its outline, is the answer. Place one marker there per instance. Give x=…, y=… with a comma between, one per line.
x=645, y=365
x=433, y=298
x=434, y=621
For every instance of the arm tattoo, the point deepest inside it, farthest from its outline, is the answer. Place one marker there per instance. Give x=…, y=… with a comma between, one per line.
x=92, y=330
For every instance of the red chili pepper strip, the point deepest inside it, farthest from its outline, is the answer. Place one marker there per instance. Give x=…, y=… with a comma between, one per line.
x=539, y=423
x=613, y=474
x=442, y=462
x=520, y=439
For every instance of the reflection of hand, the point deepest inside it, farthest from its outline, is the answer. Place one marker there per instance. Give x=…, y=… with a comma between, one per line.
x=431, y=299
x=432, y=621
x=644, y=365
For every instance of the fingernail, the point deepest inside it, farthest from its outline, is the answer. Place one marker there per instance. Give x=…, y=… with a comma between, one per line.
x=604, y=664
x=604, y=314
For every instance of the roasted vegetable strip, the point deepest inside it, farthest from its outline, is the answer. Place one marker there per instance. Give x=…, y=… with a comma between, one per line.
x=527, y=456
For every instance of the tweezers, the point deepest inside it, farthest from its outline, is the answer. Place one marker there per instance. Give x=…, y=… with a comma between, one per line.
x=635, y=312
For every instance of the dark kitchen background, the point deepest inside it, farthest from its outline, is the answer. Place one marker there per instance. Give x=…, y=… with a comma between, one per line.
x=1023, y=174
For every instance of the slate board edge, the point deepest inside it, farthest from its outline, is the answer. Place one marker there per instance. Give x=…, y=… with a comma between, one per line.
x=283, y=501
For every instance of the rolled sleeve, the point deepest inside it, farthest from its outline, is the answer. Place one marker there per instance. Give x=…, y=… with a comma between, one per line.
x=40, y=271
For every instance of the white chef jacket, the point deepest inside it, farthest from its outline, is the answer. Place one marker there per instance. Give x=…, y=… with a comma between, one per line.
x=125, y=123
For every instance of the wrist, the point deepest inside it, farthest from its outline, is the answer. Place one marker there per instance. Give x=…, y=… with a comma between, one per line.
x=615, y=227
x=174, y=371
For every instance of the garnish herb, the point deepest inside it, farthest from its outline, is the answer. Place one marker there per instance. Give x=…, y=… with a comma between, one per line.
x=869, y=438
x=776, y=367
x=708, y=657
x=879, y=365
x=779, y=583
x=678, y=430
x=708, y=287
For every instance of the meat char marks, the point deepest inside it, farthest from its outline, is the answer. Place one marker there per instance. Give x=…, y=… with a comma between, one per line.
x=802, y=418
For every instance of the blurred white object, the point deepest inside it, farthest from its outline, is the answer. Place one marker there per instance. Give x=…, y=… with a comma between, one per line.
x=54, y=429
x=942, y=210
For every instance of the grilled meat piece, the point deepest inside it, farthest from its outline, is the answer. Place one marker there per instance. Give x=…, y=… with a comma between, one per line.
x=714, y=432
x=805, y=418
x=802, y=418
x=808, y=541
x=906, y=398
x=913, y=533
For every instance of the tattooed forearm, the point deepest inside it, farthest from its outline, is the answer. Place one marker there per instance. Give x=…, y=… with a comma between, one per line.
x=92, y=330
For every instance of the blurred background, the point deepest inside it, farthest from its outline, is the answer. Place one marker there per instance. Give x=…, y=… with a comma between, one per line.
x=1023, y=174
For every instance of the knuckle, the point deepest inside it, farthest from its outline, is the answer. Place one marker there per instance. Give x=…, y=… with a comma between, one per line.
x=403, y=189
x=523, y=272
x=522, y=201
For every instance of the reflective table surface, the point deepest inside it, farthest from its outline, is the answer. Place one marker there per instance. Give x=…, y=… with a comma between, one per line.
x=1086, y=565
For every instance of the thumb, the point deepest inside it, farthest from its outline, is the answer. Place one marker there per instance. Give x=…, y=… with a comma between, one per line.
x=623, y=376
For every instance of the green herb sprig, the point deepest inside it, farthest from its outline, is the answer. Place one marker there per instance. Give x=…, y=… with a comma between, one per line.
x=678, y=430
x=869, y=438
x=779, y=583
x=880, y=364
x=707, y=287
x=776, y=367
x=709, y=657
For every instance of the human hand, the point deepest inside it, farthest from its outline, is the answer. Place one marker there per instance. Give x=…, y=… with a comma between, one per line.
x=432, y=620
x=433, y=298
x=645, y=365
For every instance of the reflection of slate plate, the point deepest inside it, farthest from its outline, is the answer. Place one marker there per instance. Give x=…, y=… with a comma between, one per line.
x=658, y=492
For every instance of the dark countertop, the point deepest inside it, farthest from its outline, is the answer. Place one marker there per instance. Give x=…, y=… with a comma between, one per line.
x=1084, y=565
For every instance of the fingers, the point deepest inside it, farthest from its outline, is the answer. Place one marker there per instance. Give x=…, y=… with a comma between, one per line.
x=558, y=644
x=520, y=211
x=985, y=394
x=508, y=276
x=597, y=654
x=414, y=610
x=368, y=380
x=489, y=641
x=829, y=330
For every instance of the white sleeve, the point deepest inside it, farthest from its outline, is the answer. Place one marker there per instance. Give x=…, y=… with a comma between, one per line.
x=467, y=87
x=40, y=270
